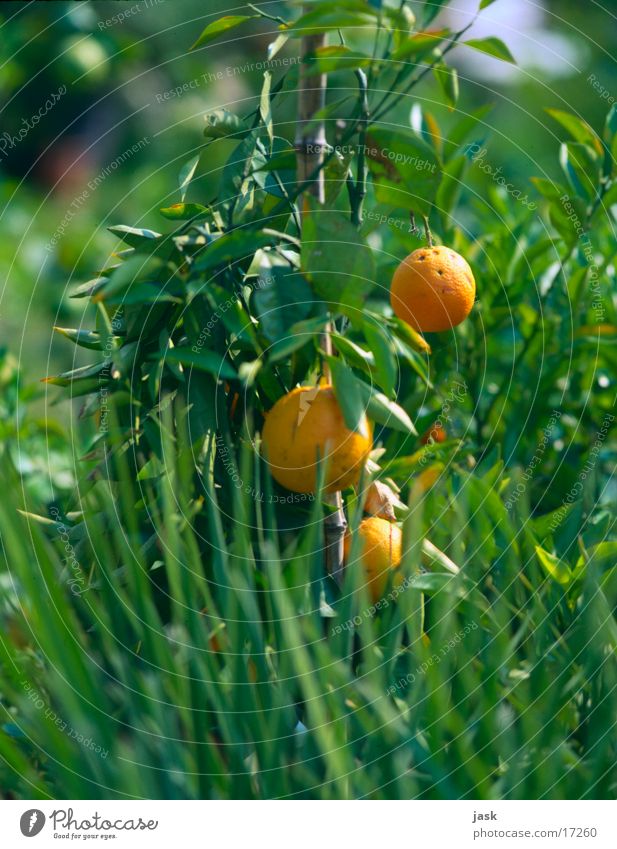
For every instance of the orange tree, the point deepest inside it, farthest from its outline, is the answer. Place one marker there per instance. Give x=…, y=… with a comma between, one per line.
x=284, y=277
x=273, y=283
x=232, y=323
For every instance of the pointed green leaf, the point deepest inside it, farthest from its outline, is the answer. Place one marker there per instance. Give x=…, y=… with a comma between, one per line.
x=493, y=47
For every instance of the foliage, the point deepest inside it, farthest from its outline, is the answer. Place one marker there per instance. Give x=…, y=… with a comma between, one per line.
x=192, y=622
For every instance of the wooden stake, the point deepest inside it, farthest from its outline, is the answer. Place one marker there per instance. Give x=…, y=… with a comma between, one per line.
x=310, y=145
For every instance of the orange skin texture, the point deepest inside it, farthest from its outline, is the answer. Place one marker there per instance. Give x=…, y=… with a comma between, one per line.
x=380, y=554
x=433, y=289
x=305, y=424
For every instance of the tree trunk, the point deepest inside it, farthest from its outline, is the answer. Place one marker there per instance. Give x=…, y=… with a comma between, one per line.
x=310, y=144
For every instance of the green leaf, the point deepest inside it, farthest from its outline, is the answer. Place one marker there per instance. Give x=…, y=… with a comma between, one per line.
x=223, y=25
x=349, y=396
x=326, y=17
x=581, y=165
x=92, y=374
x=383, y=411
x=298, y=335
x=493, y=47
x=264, y=105
x=548, y=189
x=484, y=4
x=406, y=170
x=209, y=361
x=220, y=124
x=451, y=186
x=83, y=338
x=384, y=354
x=557, y=569
x=325, y=60
x=461, y=130
x=335, y=259
x=137, y=269
x=419, y=44
x=447, y=78
x=282, y=297
x=353, y=353
x=134, y=236
x=578, y=129
x=233, y=247
x=187, y=173
x=184, y=211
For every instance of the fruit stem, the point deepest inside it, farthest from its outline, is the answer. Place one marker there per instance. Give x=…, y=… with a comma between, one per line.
x=427, y=231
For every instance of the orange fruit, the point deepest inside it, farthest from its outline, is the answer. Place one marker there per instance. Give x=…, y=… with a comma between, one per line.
x=433, y=289
x=379, y=554
x=307, y=424
x=435, y=433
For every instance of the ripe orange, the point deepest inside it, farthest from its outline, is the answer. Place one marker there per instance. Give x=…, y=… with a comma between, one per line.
x=307, y=424
x=435, y=433
x=433, y=289
x=380, y=554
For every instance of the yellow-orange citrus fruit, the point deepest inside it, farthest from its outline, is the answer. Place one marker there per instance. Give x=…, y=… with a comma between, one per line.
x=380, y=554
x=433, y=289
x=305, y=427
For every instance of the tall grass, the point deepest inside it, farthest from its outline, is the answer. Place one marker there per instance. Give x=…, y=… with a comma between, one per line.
x=168, y=641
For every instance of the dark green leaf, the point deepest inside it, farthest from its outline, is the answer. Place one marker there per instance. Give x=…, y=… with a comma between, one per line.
x=209, y=361
x=349, y=396
x=335, y=259
x=282, y=297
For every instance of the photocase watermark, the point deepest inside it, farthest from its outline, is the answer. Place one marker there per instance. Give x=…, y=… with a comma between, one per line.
x=477, y=155
x=93, y=185
x=31, y=822
x=603, y=92
x=434, y=660
x=11, y=141
x=40, y=704
x=78, y=582
x=369, y=612
x=597, y=304
x=64, y=818
x=538, y=454
x=227, y=73
x=577, y=488
x=120, y=17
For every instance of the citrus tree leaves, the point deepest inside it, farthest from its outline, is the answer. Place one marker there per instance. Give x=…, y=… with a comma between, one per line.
x=205, y=360
x=406, y=171
x=282, y=298
x=219, y=27
x=335, y=259
x=327, y=16
x=492, y=46
x=221, y=123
